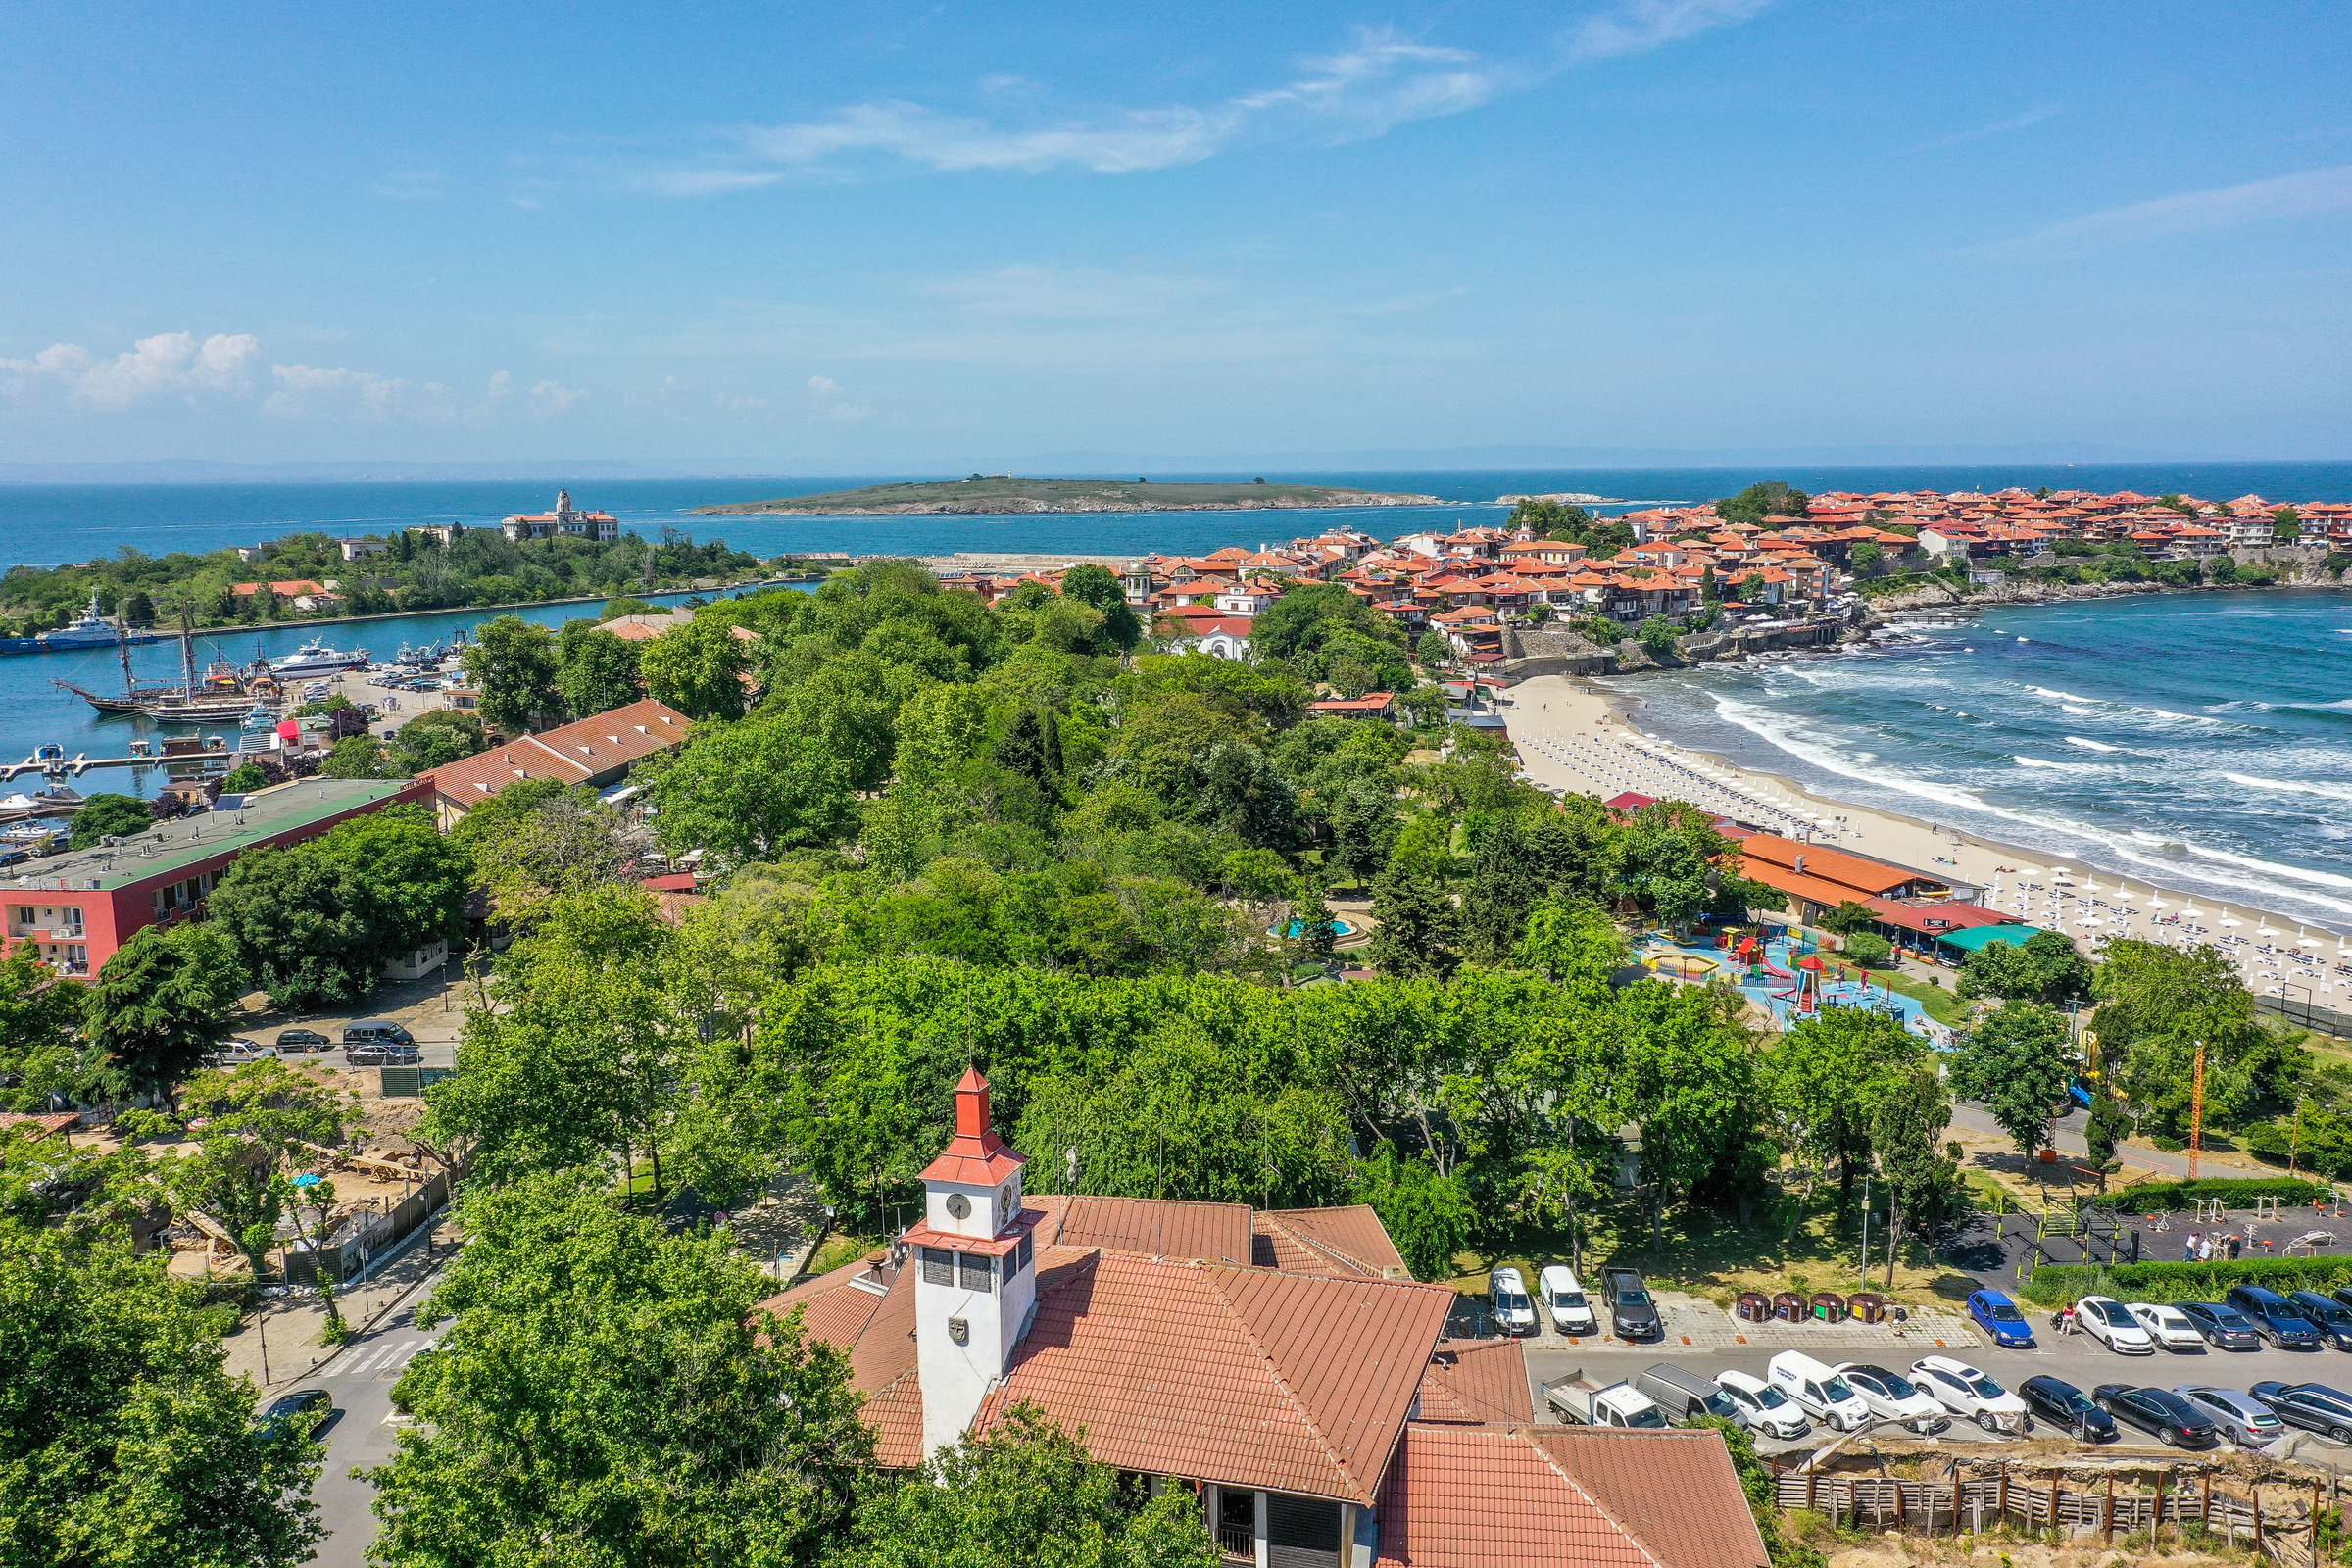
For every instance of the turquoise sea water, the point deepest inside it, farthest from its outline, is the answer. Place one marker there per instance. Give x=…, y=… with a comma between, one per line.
x=2203, y=740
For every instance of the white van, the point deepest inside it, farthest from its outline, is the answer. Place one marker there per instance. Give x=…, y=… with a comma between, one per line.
x=1564, y=1299
x=1818, y=1390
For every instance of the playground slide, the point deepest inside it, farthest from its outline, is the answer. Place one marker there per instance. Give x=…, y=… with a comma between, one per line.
x=1774, y=969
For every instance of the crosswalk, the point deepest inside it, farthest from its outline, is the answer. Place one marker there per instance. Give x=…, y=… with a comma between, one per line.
x=386, y=1359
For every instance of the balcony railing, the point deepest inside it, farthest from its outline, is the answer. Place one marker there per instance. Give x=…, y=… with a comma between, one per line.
x=1239, y=1542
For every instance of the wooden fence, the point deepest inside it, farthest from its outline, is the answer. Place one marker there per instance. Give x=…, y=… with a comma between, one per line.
x=2278, y=1519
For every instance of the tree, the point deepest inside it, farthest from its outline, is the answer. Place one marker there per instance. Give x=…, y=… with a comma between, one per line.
x=2156, y=1006
x=356, y=757
x=244, y=779
x=1433, y=649
x=1092, y=584
x=1907, y=1129
x=2106, y=1126
x=437, y=739
x=538, y=838
x=1762, y=1486
x=2019, y=1064
x=1869, y=950
x=106, y=816
x=512, y=663
x=42, y=1051
x=1769, y=498
x=1429, y=1216
x=605, y=1393
x=1024, y=1491
x=1687, y=1073
x=1417, y=930
x=1573, y=942
x=124, y=1443
x=2286, y=527
x=2047, y=968
x=257, y=1122
x=138, y=610
x=1658, y=635
x=1031, y=744
x=1828, y=1077
x=698, y=669
x=595, y=670
x=1848, y=917
x=625, y=605
x=161, y=1003
x=748, y=791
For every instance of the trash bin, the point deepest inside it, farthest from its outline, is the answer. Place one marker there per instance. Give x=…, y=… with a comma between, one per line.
x=1788, y=1306
x=1755, y=1308
x=1869, y=1307
x=1829, y=1307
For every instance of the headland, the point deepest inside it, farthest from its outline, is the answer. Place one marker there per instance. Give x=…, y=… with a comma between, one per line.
x=1002, y=494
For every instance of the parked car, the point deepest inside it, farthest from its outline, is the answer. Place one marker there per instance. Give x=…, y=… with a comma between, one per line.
x=2327, y=1314
x=236, y=1052
x=1631, y=1311
x=2111, y=1323
x=2168, y=1326
x=1892, y=1397
x=2241, y=1417
x=1564, y=1298
x=385, y=1055
x=1818, y=1390
x=2274, y=1317
x=2225, y=1328
x=2314, y=1407
x=1964, y=1391
x=2061, y=1405
x=297, y=1414
x=1684, y=1395
x=375, y=1031
x=2176, y=1423
x=303, y=1039
x=1514, y=1308
x=2001, y=1321
x=1765, y=1408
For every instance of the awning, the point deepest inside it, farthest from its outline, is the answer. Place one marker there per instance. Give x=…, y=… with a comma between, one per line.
x=1975, y=939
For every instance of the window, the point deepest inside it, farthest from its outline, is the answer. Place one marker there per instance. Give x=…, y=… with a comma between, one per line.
x=939, y=1266
x=1028, y=1245
x=979, y=1270
x=72, y=920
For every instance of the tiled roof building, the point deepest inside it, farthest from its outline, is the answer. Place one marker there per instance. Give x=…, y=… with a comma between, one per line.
x=1280, y=1364
x=594, y=752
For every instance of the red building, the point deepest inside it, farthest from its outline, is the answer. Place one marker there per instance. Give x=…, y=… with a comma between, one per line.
x=79, y=907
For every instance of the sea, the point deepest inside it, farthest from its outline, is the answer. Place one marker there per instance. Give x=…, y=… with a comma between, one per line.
x=2204, y=740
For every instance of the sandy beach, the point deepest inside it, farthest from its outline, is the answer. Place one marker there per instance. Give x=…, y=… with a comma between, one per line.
x=1573, y=735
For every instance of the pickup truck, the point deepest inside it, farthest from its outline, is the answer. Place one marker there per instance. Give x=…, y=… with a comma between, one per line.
x=1581, y=1402
x=1631, y=1313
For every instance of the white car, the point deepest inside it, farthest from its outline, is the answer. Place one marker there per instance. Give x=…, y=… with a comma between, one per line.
x=236, y=1052
x=1564, y=1299
x=2111, y=1323
x=1767, y=1410
x=2168, y=1326
x=1818, y=1390
x=1514, y=1310
x=1964, y=1391
x=1892, y=1397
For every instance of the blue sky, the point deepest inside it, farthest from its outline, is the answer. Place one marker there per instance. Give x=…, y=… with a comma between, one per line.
x=838, y=239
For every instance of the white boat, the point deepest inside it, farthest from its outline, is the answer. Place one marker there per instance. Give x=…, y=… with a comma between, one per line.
x=90, y=629
x=315, y=658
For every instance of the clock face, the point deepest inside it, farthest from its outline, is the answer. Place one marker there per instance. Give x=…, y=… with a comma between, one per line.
x=959, y=1206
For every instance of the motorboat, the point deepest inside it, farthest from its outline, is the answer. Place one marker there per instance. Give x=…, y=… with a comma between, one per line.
x=90, y=629
x=315, y=658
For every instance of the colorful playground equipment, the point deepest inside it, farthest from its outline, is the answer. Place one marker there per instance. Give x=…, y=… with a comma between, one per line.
x=1688, y=965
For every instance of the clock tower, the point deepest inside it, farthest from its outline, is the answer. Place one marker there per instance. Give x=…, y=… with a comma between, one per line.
x=976, y=1268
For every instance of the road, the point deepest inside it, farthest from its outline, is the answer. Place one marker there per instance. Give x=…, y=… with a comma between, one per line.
x=2078, y=1359
x=2068, y=1139
x=364, y=1428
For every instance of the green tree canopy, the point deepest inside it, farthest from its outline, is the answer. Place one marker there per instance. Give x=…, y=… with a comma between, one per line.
x=595, y=670
x=697, y=668
x=512, y=663
x=435, y=739
x=2046, y=968
x=2019, y=1063
x=1768, y=498
x=105, y=815
x=1092, y=584
x=749, y=791
x=1829, y=1075
x=161, y=1003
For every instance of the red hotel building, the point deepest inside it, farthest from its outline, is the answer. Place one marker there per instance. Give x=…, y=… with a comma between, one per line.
x=79, y=907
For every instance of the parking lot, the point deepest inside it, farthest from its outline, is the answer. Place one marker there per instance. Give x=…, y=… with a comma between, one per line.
x=431, y=1009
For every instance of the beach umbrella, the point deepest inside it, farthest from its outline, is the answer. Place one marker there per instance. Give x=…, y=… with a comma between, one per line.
x=2306, y=939
x=2231, y=919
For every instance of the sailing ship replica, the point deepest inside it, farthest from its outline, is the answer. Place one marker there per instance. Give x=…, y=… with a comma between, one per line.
x=222, y=696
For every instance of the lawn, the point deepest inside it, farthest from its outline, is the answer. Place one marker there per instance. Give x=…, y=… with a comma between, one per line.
x=1943, y=1006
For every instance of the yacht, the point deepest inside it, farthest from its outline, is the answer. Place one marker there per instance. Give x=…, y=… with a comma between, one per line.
x=315, y=658
x=90, y=629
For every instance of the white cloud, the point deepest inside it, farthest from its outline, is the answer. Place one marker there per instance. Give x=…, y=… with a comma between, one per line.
x=169, y=363
x=824, y=386
x=2196, y=211
x=825, y=403
x=1999, y=128
x=1641, y=26
x=1382, y=82
x=551, y=397
x=308, y=391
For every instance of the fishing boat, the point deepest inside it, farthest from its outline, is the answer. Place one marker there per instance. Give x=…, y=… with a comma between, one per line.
x=55, y=801
x=315, y=658
x=90, y=629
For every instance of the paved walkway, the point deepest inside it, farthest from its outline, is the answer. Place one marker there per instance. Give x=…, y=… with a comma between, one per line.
x=280, y=1344
x=2068, y=1139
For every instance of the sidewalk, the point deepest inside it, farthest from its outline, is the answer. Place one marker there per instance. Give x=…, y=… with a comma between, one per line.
x=284, y=1334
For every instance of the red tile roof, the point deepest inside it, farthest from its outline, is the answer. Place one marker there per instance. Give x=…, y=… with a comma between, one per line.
x=1343, y=1242
x=1153, y=1227
x=1533, y=1496
x=1475, y=1381
x=975, y=1155
x=574, y=753
x=1852, y=871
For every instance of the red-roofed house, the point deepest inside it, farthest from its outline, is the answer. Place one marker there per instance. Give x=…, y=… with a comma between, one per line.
x=600, y=526
x=1313, y=1404
x=592, y=752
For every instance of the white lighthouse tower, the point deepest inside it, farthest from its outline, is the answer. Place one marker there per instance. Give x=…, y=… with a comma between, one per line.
x=976, y=1270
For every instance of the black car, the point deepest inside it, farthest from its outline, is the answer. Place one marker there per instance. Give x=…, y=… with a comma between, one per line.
x=2225, y=1327
x=2330, y=1317
x=2061, y=1405
x=303, y=1039
x=296, y=1414
x=2176, y=1423
x=2274, y=1317
x=2312, y=1405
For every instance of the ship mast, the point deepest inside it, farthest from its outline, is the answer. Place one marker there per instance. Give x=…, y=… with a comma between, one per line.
x=123, y=647
x=188, y=659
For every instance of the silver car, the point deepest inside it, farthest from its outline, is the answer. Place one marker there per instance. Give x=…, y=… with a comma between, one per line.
x=2242, y=1418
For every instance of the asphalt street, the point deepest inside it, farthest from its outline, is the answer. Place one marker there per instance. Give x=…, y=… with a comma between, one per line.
x=364, y=1431
x=2078, y=1359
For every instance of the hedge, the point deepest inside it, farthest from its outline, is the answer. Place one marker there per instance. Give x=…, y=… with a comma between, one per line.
x=2175, y=1198
x=2057, y=1284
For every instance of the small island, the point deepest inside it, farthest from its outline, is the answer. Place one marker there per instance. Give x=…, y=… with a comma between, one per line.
x=1002, y=494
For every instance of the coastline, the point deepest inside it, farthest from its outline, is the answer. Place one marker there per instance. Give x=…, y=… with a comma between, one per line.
x=1566, y=708
x=948, y=509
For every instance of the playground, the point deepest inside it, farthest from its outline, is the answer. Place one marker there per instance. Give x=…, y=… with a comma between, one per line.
x=1792, y=980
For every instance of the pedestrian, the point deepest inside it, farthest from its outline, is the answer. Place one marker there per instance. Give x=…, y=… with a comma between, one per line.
x=2235, y=1243
x=2190, y=1254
